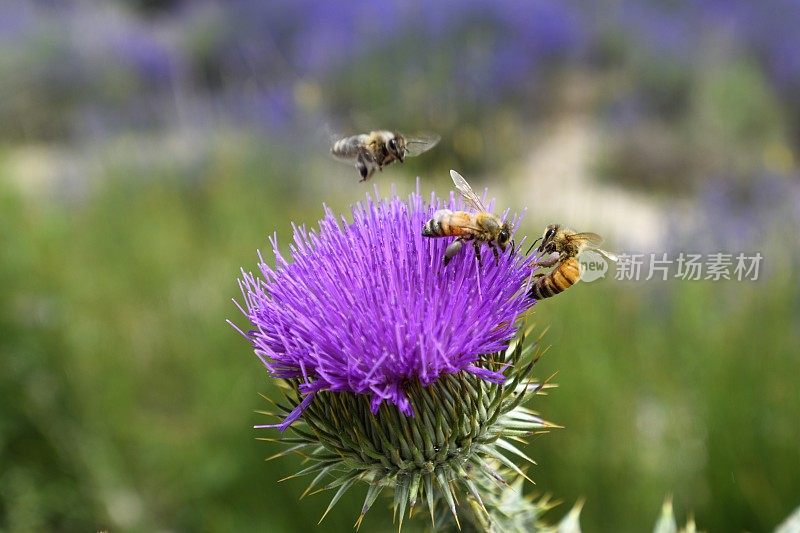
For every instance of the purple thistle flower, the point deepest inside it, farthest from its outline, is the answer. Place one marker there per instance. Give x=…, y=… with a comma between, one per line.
x=367, y=306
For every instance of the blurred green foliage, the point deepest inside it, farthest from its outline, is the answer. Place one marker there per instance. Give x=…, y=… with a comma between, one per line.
x=687, y=390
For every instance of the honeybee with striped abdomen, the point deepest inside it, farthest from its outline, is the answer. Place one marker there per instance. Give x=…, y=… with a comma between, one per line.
x=561, y=247
x=479, y=227
x=374, y=150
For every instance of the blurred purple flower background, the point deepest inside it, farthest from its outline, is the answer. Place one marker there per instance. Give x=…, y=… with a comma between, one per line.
x=495, y=51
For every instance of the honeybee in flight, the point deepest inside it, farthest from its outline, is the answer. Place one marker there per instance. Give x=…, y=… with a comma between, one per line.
x=374, y=150
x=560, y=247
x=478, y=227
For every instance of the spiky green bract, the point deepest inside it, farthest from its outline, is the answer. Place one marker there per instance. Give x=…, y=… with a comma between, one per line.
x=507, y=509
x=460, y=440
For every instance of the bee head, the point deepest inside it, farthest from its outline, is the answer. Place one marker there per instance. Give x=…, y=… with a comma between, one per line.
x=504, y=236
x=548, y=245
x=397, y=146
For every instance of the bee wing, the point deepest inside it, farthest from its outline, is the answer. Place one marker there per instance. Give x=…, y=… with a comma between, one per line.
x=587, y=236
x=421, y=142
x=325, y=137
x=326, y=134
x=467, y=192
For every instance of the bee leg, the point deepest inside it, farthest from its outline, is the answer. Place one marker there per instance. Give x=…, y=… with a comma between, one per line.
x=548, y=262
x=495, y=252
x=477, y=245
x=361, y=165
x=452, y=249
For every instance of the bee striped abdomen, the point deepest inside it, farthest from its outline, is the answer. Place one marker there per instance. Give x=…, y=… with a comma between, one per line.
x=562, y=277
x=349, y=147
x=435, y=227
x=447, y=223
x=431, y=228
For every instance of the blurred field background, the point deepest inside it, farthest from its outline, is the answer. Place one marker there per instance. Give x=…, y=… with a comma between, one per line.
x=149, y=147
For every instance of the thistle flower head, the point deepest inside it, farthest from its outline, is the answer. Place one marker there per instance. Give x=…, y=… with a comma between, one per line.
x=399, y=372
x=367, y=306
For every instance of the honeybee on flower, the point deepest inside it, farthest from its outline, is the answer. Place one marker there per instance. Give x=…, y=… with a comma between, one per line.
x=478, y=226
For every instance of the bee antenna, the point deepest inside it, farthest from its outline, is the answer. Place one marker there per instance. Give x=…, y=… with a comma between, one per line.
x=532, y=245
